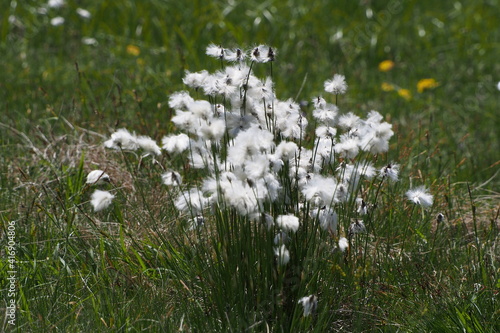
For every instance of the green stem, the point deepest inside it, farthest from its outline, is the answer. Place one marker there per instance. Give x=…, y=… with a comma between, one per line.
x=243, y=106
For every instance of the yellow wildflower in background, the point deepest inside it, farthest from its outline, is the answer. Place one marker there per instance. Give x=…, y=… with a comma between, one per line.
x=426, y=84
x=387, y=86
x=405, y=93
x=133, y=50
x=386, y=65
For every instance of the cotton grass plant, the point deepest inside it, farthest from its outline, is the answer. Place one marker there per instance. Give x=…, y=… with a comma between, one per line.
x=279, y=192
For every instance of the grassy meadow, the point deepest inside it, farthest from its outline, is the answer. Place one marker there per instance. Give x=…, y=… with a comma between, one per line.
x=65, y=87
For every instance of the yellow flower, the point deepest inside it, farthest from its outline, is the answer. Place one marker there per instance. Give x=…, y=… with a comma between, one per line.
x=385, y=65
x=426, y=84
x=405, y=93
x=133, y=50
x=387, y=86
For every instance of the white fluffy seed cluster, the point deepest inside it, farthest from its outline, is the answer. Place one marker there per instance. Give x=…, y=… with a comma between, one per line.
x=249, y=139
x=123, y=139
x=263, y=134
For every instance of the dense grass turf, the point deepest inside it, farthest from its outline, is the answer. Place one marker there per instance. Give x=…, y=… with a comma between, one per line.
x=135, y=267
